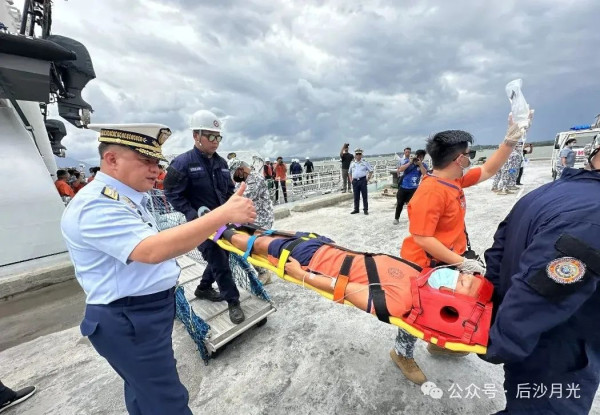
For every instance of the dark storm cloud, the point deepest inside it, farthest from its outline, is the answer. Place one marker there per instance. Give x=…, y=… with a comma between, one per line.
x=300, y=78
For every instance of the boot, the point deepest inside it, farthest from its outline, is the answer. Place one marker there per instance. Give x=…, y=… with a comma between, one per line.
x=440, y=351
x=236, y=314
x=409, y=368
x=209, y=294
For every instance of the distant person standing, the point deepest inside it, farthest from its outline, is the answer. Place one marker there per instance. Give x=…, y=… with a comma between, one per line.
x=346, y=160
x=566, y=157
x=280, y=178
x=360, y=172
x=268, y=169
x=309, y=168
x=296, y=171
x=411, y=177
x=64, y=189
x=79, y=182
x=405, y=159
x=528, y=149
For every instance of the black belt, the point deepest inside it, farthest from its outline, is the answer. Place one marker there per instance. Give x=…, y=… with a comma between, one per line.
x=143, y=299
x=360, y=178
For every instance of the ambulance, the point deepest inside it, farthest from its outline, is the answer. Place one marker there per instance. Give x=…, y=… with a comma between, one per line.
x=585, y=136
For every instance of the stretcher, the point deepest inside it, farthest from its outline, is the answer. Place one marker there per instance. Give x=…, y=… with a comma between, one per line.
x=453, y=321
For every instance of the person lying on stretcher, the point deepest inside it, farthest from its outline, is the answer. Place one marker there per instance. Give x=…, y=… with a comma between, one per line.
x=323, y=265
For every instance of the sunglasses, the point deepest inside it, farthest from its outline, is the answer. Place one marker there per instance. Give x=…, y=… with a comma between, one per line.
x=470, y=154
x=213, y=137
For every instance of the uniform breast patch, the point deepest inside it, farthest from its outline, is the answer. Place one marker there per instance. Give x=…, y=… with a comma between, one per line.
x=110, y=193
x=565, y=270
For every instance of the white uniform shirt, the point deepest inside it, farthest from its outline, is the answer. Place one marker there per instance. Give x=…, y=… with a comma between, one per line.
x=359, y=169
x=101, y=232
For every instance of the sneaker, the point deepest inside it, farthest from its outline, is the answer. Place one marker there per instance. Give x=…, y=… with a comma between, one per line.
x=396, y=222
x=436, y=350
x=409, y=368
x=19, y=396
x=354, y=212
x=209, y=294
x=236, y=314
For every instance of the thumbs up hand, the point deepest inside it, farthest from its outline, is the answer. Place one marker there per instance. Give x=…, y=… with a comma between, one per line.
x=239, y=209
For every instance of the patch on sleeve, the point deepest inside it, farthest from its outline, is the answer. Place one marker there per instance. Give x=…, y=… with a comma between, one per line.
x=561, y=278
x=566, y=270
x=110, y=193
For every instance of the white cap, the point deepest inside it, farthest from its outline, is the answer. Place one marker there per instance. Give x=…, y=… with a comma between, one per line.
x=146, y=139
x=267, y=159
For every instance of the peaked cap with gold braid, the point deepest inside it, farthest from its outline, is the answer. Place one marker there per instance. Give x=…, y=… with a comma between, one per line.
x=146, y=139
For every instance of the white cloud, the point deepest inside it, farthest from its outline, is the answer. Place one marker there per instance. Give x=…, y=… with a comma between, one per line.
x=300, y=78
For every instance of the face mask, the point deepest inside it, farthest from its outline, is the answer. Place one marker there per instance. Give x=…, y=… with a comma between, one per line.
x=443, y=277
x=460, y=163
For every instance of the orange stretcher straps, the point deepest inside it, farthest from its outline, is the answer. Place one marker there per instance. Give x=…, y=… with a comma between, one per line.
x=339, y=291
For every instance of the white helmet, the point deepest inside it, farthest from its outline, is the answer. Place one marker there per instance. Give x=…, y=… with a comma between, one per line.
x=205, y=120
x=267, y=159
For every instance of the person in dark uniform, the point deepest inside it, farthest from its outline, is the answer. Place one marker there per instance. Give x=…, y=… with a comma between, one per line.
x=127, y=268
x=545, y=267
x=346, y=159
x=309, y=168
x=200, y=177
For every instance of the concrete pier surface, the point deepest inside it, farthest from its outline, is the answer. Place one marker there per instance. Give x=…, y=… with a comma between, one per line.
x=312, y=357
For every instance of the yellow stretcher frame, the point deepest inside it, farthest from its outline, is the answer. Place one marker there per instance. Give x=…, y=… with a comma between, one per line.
x=260, y=261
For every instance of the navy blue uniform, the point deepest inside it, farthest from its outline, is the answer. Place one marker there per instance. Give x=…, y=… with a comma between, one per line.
x=194, y=180
x=545, y=267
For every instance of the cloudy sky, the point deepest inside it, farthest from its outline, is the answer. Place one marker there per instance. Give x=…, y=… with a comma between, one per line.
x=302, y=77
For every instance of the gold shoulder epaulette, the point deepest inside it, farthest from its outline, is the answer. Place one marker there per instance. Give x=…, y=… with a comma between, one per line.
x=110, y=193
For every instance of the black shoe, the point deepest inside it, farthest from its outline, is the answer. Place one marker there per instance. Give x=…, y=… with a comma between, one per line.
x=354, y=212
x=209, y=294
x=366, y=212
x=236, y=314
x=518, y=184
x=19, y=396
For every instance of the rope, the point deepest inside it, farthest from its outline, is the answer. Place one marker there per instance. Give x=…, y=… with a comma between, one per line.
x=195, y=326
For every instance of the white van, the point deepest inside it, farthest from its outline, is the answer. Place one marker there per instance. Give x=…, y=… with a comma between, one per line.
x=584, y=138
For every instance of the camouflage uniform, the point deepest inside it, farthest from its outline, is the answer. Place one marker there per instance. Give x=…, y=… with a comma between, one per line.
x=405, y=344
x=258, y=192
x=496, y=180
x=510, y=170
